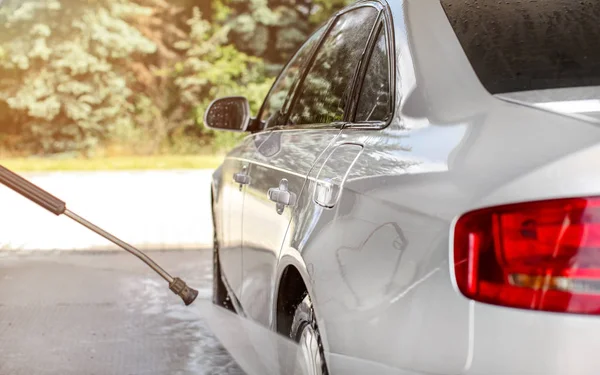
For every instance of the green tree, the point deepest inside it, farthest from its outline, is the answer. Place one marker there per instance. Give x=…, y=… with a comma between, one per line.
x=273, y=29
x=63, y=75
x=200, y=66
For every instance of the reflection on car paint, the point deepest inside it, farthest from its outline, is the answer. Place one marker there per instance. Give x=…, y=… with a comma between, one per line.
x=347, y=257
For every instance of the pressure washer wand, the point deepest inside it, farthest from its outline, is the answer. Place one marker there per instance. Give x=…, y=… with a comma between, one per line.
x=58, y=207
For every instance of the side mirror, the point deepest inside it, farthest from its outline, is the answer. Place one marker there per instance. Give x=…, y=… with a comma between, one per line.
x=230, y=113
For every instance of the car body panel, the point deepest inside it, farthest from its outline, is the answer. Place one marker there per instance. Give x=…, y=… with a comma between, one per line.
x=379, y=260
x=378, y=264
x=578, y=102
x=276, y=155
x=228, y=210
x=512, y=341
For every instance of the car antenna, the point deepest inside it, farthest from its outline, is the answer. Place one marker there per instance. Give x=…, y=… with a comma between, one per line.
x=58, y=207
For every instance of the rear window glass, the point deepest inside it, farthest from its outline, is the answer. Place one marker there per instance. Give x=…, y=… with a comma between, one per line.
x=521, y=45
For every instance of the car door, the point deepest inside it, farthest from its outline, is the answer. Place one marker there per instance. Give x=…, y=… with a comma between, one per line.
x=235, y=174
x=311, y=118
x=230, y=225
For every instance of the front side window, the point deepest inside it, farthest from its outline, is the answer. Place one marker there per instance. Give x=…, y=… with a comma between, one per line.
x=374, y=100
x=328, y=84
x=274, y=108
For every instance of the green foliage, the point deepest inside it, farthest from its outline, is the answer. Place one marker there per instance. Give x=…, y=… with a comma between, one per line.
x=211, y=68
x=61, y=72
x=273, y=29
x=84, y=76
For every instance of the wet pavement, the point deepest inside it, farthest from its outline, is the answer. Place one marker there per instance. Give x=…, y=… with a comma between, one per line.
x=105, y=313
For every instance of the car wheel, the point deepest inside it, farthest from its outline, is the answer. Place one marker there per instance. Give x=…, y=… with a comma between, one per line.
x=306, y=333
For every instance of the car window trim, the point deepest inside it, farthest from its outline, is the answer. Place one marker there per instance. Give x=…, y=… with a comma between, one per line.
x=377, y=7
x=385, y=21
x=361, y=69
x=329, y=125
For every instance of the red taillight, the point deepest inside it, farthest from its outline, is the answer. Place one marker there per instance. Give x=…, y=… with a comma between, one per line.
x=539, y=255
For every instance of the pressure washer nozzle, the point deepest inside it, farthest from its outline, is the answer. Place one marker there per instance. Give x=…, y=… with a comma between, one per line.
x=187, y=294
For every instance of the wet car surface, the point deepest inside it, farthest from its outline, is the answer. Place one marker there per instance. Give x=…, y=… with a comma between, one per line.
x=105, y=313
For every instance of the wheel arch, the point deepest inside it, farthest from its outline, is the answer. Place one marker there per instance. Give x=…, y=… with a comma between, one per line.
x=290, y=293
x=293, y=283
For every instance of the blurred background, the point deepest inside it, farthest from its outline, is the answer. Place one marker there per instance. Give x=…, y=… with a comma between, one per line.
x=123, y=84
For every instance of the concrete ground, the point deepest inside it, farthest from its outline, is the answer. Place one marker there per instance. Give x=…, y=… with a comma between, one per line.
x=104, y=313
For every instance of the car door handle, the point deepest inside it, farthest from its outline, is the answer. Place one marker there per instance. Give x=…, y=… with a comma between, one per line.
x=241, y=178
x=282, y=196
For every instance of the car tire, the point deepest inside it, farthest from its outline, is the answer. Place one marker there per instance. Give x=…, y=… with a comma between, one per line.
x=305, y=332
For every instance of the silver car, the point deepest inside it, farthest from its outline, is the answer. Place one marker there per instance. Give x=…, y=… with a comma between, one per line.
x=420, y=191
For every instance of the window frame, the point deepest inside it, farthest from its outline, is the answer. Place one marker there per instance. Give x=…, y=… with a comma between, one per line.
x=384, y=22
x=358, y=76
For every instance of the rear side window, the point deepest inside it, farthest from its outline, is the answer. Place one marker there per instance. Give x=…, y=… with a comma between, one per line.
x=522, y=45
x=327, y=86
x=374, y=100
x=274, y=107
